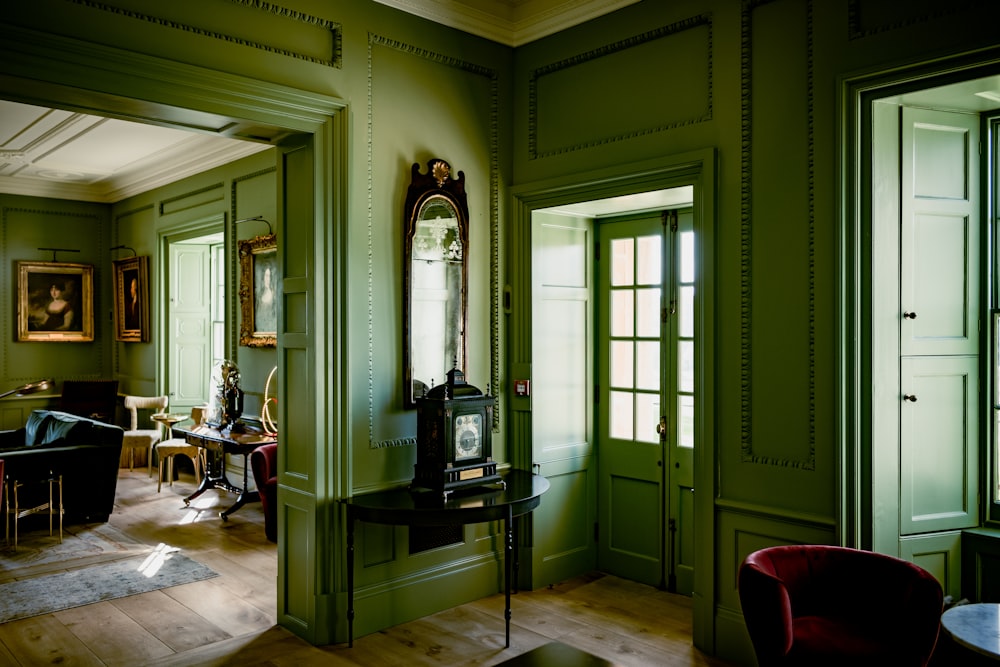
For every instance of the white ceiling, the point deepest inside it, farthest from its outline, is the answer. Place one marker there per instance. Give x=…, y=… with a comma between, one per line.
x=62, y=154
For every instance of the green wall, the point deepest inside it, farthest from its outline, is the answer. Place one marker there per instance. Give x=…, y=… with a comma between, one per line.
x=757, y=83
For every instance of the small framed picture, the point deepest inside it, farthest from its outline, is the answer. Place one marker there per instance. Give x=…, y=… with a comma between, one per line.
x=55, y=302
x=259, y=291
x=132, y=299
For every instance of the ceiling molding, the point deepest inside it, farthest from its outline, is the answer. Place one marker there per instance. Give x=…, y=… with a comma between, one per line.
x=509, y=22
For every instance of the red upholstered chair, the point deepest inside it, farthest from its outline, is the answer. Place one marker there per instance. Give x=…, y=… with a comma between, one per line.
x=826, y=605
x=264, y=464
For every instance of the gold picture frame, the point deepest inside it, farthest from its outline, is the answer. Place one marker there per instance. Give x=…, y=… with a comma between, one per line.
x=55, y=302
x=259, y=291
x=131, y=278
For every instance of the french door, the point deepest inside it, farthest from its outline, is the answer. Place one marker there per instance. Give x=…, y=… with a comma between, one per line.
x=646, y=396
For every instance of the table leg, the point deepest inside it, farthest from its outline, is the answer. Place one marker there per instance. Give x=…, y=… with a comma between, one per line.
x=508, y=524
x=244, y=496
x=350, y=578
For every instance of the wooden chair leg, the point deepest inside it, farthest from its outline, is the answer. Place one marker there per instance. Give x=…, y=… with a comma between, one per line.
x=159, y=476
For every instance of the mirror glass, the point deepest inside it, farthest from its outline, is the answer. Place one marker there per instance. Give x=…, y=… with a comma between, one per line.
x=435, y=268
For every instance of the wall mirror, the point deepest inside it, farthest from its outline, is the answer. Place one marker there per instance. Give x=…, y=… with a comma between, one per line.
x=435, y=274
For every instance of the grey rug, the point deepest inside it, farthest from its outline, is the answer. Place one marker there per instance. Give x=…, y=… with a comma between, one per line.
x=107, y=581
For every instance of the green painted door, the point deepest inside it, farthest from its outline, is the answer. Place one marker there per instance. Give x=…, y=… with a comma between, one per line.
x=646, y=398
x=188, y=318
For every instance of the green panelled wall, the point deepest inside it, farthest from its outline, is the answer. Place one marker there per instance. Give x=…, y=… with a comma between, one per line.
x=372, y=90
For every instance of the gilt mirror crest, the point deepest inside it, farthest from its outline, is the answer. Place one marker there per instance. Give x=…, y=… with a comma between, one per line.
x=435, y=272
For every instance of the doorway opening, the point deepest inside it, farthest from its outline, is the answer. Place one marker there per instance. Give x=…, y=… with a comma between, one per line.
x=916, y=337
x=589, y=521
x=193, y=293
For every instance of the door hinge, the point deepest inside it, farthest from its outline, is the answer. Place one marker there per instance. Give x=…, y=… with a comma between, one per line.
x=597, y=393
x=597, y=252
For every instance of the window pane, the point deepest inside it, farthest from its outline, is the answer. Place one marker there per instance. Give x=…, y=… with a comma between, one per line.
x=685, y=325
x=622, y=364
x=650, y=271
x=622, y=262
x=647, y=409
x=622, y=313
x=648, y=315
x=685, y=365
x=685, y=421
x=622, y=417
x=648, y=366
x=687, y=257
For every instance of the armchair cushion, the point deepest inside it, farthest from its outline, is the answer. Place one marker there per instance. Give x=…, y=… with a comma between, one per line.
x=825, y=605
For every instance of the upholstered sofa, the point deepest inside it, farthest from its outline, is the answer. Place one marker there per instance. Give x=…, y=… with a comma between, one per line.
x=84, y=451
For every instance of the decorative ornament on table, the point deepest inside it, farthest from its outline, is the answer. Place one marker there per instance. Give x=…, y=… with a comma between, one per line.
x=226, y=405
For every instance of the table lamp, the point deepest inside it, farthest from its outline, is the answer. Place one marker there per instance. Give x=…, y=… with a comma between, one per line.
x=30, y=388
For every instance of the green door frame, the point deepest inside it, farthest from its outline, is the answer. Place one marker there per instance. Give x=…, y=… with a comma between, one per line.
x=697, y=169
x=856, y=96
x=50, y=70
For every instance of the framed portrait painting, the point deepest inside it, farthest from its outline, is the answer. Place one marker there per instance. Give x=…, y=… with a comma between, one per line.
x=55, y=302
x=131, y=279
x=259, y=291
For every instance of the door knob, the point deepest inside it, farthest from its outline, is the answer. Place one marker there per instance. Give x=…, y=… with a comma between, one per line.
x=910, y=397
x=907, y=315
x=661, y=428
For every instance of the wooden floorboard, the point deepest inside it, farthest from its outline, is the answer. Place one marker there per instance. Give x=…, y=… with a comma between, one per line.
x=231, y=619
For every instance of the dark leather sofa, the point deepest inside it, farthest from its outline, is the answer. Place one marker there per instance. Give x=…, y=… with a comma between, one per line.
x=84, y=451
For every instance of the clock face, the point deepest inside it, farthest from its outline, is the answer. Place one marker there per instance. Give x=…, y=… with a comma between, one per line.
x=468, y=437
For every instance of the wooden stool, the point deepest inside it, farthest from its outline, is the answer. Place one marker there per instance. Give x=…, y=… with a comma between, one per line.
x=166, y=450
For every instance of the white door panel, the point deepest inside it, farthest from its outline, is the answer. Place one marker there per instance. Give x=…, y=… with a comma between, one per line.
x=939, y=472
x=939, y=234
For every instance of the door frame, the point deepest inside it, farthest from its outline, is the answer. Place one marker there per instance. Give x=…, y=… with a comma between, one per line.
x=55, y=71
x=856, y=364
x=699, y=170
x=190, y=229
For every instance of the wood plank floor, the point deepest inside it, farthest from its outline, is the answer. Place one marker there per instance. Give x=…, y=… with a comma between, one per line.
x=230, y=619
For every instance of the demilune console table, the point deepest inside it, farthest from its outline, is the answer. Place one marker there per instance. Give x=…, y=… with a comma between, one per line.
x=403, y=507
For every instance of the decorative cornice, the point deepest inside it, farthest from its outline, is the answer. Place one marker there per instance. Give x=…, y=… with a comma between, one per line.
x=334, y=28
x=606, y=50
x=746, y=237
x=494, y=140
x=857, y=30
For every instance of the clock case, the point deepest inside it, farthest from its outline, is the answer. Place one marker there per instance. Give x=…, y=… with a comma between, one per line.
x=441, y=465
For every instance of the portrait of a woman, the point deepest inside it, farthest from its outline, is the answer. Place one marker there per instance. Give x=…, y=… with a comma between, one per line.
x=54, y=308
x=55, y=302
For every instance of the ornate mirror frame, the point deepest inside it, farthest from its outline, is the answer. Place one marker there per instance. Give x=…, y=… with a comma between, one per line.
x=435, y=278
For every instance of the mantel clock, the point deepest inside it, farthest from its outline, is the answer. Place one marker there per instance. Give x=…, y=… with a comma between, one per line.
x=454, y=444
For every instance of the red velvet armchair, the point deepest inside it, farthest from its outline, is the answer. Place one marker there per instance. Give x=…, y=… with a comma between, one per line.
x=264, y=464
x=826, y=605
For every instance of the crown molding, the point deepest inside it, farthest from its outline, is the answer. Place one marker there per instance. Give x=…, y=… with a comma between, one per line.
x=509, y=22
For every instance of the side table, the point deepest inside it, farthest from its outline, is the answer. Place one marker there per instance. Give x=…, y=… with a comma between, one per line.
x=15, y=512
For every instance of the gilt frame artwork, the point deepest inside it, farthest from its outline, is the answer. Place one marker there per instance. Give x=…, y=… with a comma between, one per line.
x=259, y=290
x=131, y=278
x=55, y=302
